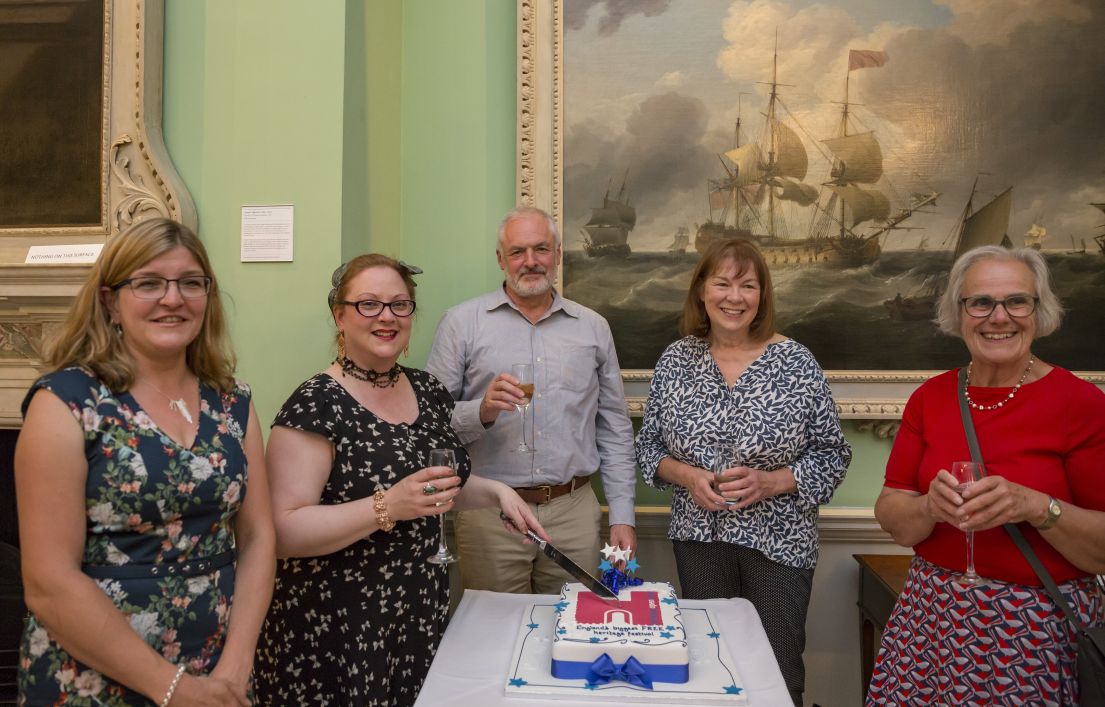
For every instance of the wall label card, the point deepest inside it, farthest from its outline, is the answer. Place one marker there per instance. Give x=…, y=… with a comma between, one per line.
x=267, y=233
x=84, y=253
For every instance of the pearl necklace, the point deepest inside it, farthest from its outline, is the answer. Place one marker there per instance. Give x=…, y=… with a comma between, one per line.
x=1003, y=401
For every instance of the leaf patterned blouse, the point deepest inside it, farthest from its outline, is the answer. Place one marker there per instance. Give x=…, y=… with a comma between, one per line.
x=148, y=501
x=780, y=413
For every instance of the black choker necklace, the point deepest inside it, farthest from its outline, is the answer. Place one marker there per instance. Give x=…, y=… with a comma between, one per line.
x=387, y=379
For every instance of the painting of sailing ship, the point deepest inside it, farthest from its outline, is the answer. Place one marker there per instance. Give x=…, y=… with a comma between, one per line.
x=606, y=233
x=861, y=146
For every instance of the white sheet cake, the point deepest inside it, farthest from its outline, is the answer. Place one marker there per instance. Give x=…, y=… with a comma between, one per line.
x=643, y=623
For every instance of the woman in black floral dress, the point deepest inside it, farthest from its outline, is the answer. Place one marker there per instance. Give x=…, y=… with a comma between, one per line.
x=132, y=470
x=357, y=611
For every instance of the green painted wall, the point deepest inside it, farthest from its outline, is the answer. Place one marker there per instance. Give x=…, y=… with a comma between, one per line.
x=457, y=149
x=253, y=115
x=390, y=124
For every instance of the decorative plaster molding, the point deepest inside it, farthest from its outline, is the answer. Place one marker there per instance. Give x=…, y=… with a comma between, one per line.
x=137, y=199
x=527, y=138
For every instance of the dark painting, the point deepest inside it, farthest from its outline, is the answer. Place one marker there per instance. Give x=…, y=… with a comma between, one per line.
x=51, y=113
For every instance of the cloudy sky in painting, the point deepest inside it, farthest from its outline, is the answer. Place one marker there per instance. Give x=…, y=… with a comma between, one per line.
x=1011, y=91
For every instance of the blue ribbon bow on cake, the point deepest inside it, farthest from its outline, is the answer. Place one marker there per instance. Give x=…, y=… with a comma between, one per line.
x=603, y=670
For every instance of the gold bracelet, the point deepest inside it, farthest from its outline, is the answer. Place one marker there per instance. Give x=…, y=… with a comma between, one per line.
x=172, y=686
x=380, y=506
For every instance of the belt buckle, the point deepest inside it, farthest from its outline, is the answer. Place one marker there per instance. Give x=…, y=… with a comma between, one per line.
x=548, y=493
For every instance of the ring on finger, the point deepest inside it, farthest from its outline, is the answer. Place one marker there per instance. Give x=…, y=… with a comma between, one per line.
x=429, y=490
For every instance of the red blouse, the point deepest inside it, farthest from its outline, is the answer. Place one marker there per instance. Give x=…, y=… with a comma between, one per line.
x=1049, y=437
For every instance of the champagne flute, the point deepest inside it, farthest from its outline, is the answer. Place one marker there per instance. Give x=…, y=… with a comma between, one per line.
x=726, y=456
x=524, y=373
x=966, y=473
x=442, y=457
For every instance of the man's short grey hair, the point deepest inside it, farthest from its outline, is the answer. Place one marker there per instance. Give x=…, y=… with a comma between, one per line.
x=523, y=211
x=1049, y=311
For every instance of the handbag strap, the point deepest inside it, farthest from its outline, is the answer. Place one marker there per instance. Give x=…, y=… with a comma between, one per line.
x=1011, y=528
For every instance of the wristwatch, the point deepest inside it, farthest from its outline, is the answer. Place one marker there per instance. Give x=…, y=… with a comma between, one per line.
x=1054, y=510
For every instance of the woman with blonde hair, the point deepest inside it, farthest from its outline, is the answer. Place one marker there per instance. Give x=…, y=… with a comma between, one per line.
x=132, y=470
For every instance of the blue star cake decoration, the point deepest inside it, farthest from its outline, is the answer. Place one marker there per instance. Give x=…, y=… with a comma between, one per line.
x=614, y=578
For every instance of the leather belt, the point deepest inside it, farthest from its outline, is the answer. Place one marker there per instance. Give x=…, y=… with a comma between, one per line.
x=189, y=568
x=544, y=494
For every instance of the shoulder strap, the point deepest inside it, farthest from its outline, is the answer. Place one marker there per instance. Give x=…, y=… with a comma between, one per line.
x=1011, y=528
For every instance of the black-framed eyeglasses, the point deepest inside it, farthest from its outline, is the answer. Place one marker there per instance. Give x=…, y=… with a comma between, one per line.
x=373, y=308
x=1015, y=305
x=155, y=287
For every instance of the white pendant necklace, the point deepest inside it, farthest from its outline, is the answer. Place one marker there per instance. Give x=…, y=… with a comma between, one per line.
x=177, y=405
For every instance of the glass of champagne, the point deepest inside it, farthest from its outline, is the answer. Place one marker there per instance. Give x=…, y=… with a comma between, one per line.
x=524, y=373
x=726, y=456
x=442, y=457
x=966, y=473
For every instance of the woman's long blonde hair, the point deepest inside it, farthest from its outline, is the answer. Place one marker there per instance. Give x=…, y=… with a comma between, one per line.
x=87, y=337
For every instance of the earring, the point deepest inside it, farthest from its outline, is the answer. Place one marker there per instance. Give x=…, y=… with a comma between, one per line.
x=406, y=352
x=118, y=329
x=341, y=345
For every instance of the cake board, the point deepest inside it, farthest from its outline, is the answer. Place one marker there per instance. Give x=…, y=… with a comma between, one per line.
x=713, y=678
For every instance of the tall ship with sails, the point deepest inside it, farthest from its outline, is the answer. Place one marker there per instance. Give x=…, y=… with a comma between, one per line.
x=680, y=242
x=1035, y=236
x=1100, y=239
x=606, y=234
x=988, y=225
x=771, y=172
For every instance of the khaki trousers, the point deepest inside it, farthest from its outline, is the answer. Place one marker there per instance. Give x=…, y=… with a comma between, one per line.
x=495, y=559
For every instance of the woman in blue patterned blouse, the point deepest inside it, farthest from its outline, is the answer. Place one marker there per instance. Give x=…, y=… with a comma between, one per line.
x=734, y=395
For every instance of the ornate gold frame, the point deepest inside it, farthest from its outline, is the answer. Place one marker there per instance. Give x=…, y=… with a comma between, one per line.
x=875, y=396
x=138, y=180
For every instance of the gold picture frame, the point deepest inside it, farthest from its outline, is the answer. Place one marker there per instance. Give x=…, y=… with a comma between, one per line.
x=875, y=395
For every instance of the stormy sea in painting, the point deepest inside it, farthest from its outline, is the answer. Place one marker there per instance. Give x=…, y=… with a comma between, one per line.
x=838, y=313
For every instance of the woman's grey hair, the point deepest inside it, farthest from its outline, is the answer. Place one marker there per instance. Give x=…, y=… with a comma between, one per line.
x=523, y=211
x=1049, y=311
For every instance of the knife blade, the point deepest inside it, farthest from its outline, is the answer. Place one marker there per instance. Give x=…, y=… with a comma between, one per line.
x=568, y=564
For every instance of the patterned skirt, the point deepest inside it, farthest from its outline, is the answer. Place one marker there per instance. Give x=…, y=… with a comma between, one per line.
x=997, y=643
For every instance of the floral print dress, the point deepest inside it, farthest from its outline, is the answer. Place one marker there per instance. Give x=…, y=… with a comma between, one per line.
x=359, y=627
x=149, y=503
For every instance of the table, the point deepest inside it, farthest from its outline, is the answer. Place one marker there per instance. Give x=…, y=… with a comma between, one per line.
x=881, y=578
x=474, y=656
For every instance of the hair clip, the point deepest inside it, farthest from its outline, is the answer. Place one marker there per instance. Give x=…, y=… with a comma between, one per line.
x=335, y=279
x=411, y=269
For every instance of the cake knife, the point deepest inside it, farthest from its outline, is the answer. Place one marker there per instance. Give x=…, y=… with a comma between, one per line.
x=565, y=562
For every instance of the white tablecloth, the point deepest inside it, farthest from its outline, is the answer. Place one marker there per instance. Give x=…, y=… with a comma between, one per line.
x=472, y=662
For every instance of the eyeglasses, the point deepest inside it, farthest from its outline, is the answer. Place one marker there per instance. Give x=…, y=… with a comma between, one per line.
x=154, y=287
x=1015, y=305
x=373, y=308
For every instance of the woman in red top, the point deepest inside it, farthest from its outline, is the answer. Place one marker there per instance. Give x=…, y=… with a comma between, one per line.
x=1042, y=435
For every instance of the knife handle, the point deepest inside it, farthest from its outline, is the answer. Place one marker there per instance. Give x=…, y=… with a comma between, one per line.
x=532, y=536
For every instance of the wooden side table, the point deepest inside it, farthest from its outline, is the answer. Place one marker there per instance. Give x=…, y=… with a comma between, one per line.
x=881, y=578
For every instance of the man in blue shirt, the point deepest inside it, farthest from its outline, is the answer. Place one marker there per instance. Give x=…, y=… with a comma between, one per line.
x=577, y=423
